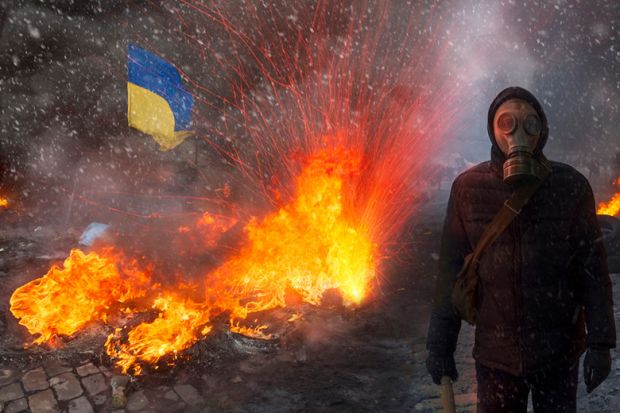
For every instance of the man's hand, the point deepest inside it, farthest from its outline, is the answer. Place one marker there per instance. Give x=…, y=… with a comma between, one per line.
x=596, y=367
x=439, y=366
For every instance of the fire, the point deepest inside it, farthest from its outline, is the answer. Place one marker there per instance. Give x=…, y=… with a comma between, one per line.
x=212, y=227
x=208, y=229
x=310, y=245
x=84, y=289
x=180, y=323
x=613, y=206
x=4, y=202
x=336, y=140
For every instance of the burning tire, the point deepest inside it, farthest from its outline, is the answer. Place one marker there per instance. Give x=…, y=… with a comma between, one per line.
x=610, y=227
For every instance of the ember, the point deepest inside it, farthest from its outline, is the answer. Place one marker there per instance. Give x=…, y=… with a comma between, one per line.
x=613, y=206
x=4, y=203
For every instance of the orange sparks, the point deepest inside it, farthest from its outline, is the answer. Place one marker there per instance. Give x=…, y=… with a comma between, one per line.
x=613, y=206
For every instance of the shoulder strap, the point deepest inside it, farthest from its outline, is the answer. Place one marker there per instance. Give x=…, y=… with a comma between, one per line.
x=511, y=208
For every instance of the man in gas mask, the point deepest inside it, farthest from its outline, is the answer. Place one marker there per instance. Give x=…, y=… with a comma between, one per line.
x=540, y=283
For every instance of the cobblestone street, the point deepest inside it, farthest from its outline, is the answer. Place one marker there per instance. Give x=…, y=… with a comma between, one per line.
x=55, y=387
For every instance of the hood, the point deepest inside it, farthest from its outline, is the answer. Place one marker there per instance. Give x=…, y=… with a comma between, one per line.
x=515, y=92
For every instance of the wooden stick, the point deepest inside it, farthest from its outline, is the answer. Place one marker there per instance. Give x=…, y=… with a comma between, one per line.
x=447, y=395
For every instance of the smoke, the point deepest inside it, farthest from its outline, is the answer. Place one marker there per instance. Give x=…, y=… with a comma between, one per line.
x=488, y=54
x=63, y=72
x=564, y=52
x=66, y=147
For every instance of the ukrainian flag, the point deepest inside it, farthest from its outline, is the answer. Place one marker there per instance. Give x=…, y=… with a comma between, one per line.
x=157, y=103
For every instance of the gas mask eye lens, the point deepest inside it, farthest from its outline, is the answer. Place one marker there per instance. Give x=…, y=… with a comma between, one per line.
x=532, y=125
x=506, y=123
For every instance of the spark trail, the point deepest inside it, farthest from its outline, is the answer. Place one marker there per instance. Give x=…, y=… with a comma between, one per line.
x=330, y=116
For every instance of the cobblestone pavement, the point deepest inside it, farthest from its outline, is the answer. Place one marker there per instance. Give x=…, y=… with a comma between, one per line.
x=56, y=387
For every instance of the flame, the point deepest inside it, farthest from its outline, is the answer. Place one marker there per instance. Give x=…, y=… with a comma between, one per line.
x=212, y=227
x=310, y=245
x=336, y=136
x=67, y=298
x=180, y=323
x=613, y=206
x=4, y=202
x=207, y=230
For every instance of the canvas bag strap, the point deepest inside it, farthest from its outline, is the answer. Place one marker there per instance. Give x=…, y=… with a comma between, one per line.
x=511, y=208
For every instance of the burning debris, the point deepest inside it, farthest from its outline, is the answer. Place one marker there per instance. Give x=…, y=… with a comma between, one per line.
x=83, y=290
x=309, y=246
x=612, y=207
x=330, y=150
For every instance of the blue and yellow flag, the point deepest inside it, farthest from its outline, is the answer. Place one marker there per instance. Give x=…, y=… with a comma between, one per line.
x=157, y=103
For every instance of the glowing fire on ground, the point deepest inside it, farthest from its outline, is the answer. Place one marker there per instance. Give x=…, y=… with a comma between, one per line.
x=613, y=206
x=310, y=245
x=4, y=203
x=87, y=288
x=179, y=324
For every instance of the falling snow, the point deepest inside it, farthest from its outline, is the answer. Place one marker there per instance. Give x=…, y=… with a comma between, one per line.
x=68, y=157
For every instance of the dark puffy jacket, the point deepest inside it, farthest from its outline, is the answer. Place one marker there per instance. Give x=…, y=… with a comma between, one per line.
x=540, y=283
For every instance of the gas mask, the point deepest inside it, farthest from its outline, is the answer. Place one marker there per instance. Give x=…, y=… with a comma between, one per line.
x=517, y=129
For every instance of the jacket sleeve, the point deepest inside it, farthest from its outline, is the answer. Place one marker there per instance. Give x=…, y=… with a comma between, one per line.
x=592, y=277
x=444, y=326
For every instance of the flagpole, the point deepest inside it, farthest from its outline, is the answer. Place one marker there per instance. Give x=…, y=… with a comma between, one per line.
x=196, y=152
x=69, y=209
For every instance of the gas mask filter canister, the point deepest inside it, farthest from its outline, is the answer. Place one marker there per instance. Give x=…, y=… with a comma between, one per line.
x=517, y=132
